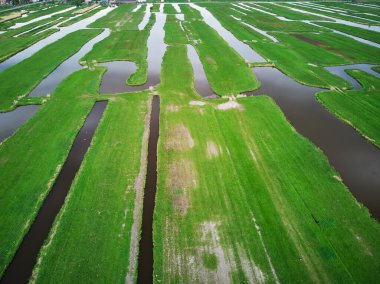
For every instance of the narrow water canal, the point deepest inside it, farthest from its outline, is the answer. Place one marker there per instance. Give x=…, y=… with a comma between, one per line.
x=145, y=266
x=21, y=267
x=356, y=160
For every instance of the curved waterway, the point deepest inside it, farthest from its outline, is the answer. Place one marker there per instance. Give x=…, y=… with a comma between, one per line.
x=114, y=79
x=52, y=38
x=50, y=83
x=356, y=159
x=11, y=121
x=20, y=269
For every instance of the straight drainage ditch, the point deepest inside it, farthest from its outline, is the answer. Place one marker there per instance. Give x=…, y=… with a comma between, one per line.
x=21, y=267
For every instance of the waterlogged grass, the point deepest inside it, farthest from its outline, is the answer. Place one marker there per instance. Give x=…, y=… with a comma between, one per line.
x=218, y=59
x=39, y=66
x=360, y=108
x=290, y=14
x=28, y=167
x=94, y=245
x=124, y=44
x=275, y=209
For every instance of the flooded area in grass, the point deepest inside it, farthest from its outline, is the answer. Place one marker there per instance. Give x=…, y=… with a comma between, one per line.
x=145, y=265
x=356, y=160
x=52, y=38
x=341, y=72
x=243, y=49
x=20, y=269
x=11, y=121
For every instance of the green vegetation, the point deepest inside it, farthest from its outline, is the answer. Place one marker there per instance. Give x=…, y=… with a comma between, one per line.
x=290, y=14
x=124, y=43
x=82, y=17
x=120, y=19
x=39, y=66
x=169, y=9
x=362, y=33
x=173, y=31
x=262, y=184
x=94, y=245
x=27, y=183
x=360, y=108
x=218, y=59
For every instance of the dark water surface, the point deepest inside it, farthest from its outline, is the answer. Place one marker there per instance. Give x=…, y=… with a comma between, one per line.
x=20, y=269
x=145, y=265
x=11, y=121
x=356, y=160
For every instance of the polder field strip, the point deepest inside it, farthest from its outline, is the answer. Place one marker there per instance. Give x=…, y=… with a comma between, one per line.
x=83, y=16
x=57, y=122
x=93, y=246
x=226, y=165
x=35, y=15
x=360, y=108
x=218, y=58
x=126, y=42
x=365, y=34
x=39, y=66
x=330, y=14
x=300, y=60
x=10, y=45
x=261, y=183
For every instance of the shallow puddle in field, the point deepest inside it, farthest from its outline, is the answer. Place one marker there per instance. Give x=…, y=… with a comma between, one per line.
x=20, y=269
x=356, y=160
x=11, y=121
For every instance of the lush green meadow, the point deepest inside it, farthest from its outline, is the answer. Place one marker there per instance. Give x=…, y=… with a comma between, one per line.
x=241, y=196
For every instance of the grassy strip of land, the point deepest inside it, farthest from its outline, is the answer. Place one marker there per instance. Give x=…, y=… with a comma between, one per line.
x=28, y=167
x=12, y=45
x=120, y=19
x=124, y=44
x=275, y=211
x=218, y=59
x=82, y=17
x=290, y=14
x=173, y=31
x=360, y=108
x=39, y=66
x=362, y=20
x=94, y=245
x=358, y=32
x=302, y=61
x=169, y=9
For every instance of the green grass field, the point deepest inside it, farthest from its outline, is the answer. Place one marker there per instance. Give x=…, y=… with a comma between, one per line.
x=241, y=196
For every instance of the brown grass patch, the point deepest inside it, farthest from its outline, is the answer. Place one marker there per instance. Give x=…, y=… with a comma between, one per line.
x=179, y=138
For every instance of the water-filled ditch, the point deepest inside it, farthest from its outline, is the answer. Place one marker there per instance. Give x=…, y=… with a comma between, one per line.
x=20, y=269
